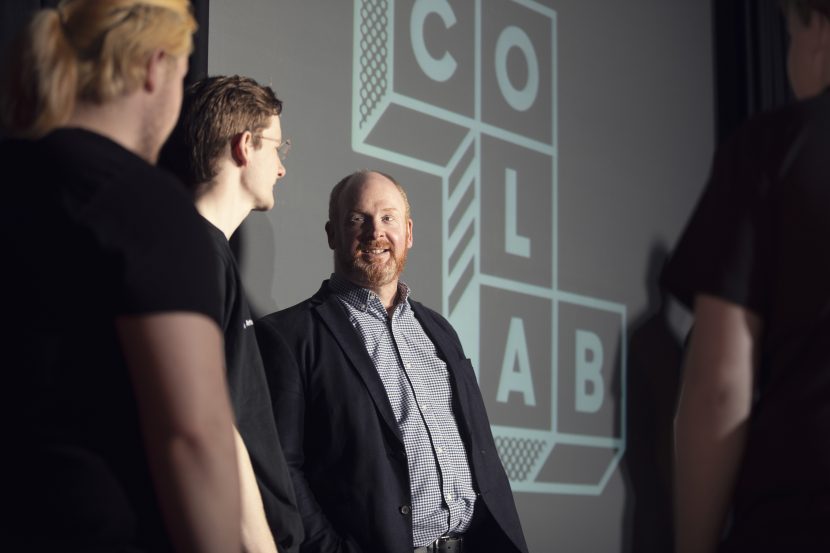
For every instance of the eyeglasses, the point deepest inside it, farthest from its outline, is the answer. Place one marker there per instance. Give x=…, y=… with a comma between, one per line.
x=283, y=147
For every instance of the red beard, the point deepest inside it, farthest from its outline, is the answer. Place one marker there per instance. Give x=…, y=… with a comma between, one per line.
x=374, y=273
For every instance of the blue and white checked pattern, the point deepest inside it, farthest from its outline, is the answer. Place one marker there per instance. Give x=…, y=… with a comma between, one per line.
x=419, y=389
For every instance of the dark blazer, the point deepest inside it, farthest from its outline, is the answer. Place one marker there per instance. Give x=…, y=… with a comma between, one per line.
x=341, y=441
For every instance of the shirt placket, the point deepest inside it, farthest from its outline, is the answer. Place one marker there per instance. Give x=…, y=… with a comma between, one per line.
x=416, y=372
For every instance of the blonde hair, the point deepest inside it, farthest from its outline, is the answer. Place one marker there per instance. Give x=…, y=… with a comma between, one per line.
x=88, y=50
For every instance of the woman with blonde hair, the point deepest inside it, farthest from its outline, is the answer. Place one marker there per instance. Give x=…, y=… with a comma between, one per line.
x=114, y=401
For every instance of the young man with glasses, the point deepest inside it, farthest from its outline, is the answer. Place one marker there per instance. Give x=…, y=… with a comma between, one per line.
x=228, y=149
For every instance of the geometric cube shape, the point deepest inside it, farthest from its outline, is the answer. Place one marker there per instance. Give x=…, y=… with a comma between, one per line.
x=430, y=66
x=578, y=468
x=590, y=386
x=403, y=90
x=515, y=358
x=465, y=91
x=517, y=212
x=517, y=72
x=584, y=441
x=400, y=130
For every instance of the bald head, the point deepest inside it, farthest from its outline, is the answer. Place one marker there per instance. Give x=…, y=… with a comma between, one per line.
x=370, y=231
x=357, y=179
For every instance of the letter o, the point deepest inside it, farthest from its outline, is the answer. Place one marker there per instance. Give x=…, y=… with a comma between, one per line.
x=520, y=100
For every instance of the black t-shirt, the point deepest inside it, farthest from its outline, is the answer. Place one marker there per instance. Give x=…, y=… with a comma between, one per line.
x=760, y=238
x=92, y=232
x=252, y=402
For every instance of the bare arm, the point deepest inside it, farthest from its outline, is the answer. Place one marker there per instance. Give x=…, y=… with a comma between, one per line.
x=712, y=419
x=177, y=371
x=256, y=534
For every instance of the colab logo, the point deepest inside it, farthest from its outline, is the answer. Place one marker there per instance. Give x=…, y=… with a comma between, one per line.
x=465, y=90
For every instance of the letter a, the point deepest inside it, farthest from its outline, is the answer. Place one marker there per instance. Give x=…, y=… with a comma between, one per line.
x=515, y=354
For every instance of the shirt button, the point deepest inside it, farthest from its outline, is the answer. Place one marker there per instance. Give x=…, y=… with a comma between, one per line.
x=440, y=450
x=405, y=510
x=449, y=497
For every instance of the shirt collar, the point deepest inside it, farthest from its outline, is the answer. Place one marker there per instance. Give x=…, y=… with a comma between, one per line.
x=362, y=298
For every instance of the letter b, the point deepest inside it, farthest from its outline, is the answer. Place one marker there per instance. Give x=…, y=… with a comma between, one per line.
x=590, y=388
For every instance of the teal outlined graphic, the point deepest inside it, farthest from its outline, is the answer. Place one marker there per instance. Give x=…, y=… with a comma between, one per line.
x=466, y=91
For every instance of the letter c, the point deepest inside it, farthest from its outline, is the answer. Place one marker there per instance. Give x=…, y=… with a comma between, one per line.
x=436, y=69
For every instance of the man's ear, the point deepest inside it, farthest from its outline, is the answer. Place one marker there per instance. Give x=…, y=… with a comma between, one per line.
x=330, y=234
x=154, y=69
x=241, y=146
x=409, y=233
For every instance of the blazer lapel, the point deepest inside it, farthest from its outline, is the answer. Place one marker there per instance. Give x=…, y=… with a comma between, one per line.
x=450, y=354
x=438, y=337
x=351, y=343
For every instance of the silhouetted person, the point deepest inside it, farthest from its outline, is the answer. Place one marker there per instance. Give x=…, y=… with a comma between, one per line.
x=116, y=422
x=654, y=358
x=754, y=415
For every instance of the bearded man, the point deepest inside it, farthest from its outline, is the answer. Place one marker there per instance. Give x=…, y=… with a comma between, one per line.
x=381, y=419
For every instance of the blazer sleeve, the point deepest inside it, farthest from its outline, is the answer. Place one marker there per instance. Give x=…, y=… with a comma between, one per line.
x=286, y=382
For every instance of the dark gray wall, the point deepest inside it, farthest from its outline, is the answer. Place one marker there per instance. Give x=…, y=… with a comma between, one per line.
x=608, y=160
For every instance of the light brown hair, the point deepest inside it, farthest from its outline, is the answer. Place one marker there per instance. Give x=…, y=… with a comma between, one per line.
x=214, y=111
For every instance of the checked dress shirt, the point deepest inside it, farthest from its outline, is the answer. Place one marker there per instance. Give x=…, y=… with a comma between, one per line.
x=419, y=389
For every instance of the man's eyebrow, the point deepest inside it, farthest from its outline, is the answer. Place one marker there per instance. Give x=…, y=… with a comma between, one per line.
x=383, y=210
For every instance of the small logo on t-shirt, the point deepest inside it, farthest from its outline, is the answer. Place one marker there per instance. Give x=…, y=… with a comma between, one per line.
x=247, y=323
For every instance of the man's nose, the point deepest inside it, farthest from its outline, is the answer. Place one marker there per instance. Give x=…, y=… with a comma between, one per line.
x=371, y=229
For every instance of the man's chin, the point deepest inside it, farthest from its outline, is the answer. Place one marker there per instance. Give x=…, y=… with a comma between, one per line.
x=265, y=205
x=373, y=277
